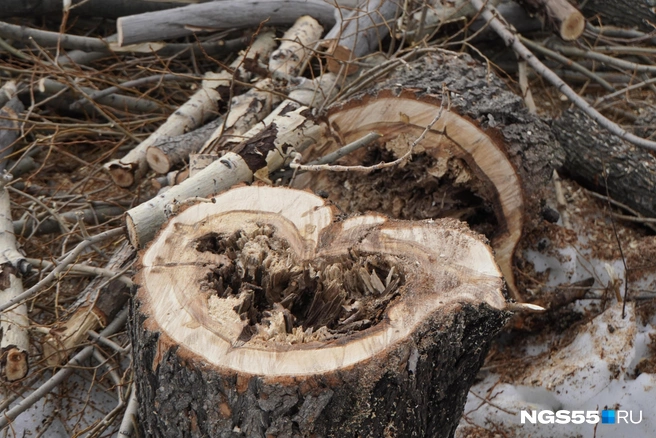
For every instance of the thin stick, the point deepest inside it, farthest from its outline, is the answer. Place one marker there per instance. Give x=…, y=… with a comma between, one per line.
x=568, y=62
x=84, y=269
x=61, y=267
x=491, y=14
x=62, y=374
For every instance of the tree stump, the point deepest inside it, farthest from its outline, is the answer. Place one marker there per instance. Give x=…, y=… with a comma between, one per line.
x=486, y=160
x=264, y=314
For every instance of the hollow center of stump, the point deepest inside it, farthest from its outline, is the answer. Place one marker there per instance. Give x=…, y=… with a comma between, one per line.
x=281, y=299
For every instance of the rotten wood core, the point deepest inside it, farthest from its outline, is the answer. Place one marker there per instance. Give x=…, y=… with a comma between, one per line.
x=269, y=294
x=282, y=299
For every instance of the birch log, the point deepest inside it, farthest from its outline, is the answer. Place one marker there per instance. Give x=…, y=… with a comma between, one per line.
x=246, y=110
x=167, y=152
x=263, y=315
x=295, y=49
x=561, y=15
x=201, y=106
x=284, y=63
x=227, y=14
x=360, y=33
x=255, y=158
x=14, y=322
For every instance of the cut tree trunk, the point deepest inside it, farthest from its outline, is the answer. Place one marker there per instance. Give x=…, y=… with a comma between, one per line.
x=261, y=314
x=487, y=160
x=605, y=163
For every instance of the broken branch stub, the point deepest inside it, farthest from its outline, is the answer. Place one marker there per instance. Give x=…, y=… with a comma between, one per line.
x=263, y=312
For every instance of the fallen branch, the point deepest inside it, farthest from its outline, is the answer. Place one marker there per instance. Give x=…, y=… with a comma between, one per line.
x=202, y=105
x=98, y=304
x=73, y=365
x=14, y=322
x=245, y=111
x=227, y=14
x=91, y=216
x=169, y=151
x=490, y=14
x=284, y=63
x=120, y=102
x=72, y=255
x=360, y=33
x=269, y=145
x=111, y=9
x=295, y=49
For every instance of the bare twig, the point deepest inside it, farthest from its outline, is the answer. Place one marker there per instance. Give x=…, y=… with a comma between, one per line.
x=73, y=254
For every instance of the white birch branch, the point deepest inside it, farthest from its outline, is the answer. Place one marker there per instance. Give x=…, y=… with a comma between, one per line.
x=200, y=107
x=14, y=323
x=227, y=14
x=295, y=49
x=269, y=145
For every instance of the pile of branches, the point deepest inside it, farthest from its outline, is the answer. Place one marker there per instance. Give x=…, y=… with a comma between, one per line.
x=129, y=109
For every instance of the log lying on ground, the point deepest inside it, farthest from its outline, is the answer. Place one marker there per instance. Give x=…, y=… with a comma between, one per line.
x=601, y=161
x=100, y=302
x=96, y=215
x=167, y=152
x=96, y=8
x=250, y=108
x=117, y=101
x=227, y=14
x=295, y=48
x=622, y=13
x=199, y=108
x=486, y=160
x=262, y=315
x=360, y=33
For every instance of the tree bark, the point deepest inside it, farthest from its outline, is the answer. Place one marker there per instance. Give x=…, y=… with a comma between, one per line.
x=360, y=327
x=603, y=162
x=623, y=13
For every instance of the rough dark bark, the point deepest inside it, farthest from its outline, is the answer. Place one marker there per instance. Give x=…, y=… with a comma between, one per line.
x=623, y=13
x=599, y=160
x=399, y=403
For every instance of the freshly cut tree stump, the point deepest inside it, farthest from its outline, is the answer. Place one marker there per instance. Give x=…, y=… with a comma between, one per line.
x=263, y=314
x=486, y=160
